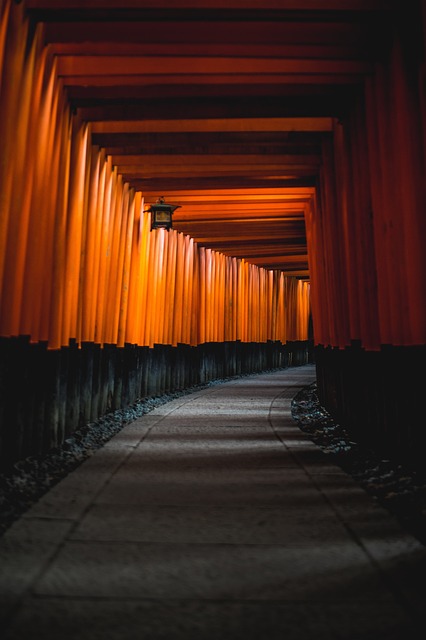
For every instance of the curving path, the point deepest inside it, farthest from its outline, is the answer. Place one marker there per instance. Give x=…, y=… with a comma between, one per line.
x=212, y=517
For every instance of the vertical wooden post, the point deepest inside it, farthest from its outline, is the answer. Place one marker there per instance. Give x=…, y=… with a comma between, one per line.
x=128, y=213
x=202, y=301
x=146, y=276
x=74, y=234
x=170, y=293
x=179, y=289
x=13, y=45
x=104, y=240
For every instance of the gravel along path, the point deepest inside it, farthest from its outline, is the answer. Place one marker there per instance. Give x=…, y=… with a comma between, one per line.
x=400, y=490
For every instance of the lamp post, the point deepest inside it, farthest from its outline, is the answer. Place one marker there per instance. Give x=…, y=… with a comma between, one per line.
x=161, y=214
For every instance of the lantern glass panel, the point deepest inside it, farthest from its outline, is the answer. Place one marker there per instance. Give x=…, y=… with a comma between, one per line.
x=162, y=216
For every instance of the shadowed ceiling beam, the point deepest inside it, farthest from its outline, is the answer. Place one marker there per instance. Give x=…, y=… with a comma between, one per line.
x=181, y=66
x=215, y=124
x=264, y=5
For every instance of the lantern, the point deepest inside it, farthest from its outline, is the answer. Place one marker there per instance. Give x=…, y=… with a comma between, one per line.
x=161, y=214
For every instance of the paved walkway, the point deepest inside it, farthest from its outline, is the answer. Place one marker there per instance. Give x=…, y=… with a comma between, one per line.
x=212, y=517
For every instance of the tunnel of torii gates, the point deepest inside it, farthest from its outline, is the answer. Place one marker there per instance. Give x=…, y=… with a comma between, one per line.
x=98, y=310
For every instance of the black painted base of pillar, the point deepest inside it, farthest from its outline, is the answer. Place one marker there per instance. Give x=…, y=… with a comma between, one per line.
x=46, y=395
x=378, y=396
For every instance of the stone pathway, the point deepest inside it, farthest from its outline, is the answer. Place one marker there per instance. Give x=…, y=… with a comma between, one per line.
x=212, y=517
